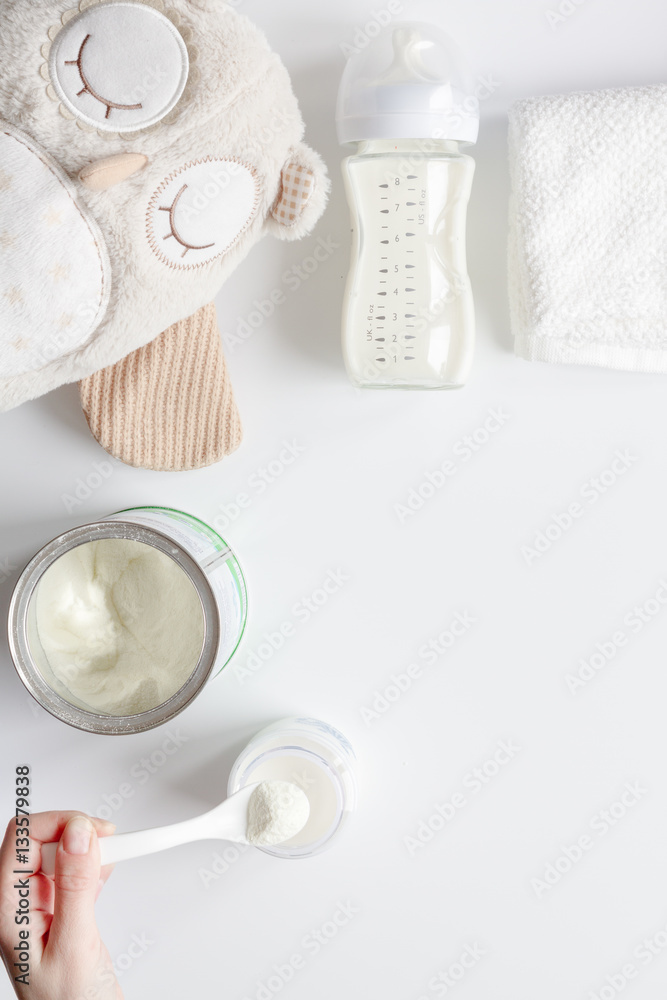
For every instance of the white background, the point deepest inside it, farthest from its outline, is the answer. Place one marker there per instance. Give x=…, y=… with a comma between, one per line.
x=333, y=509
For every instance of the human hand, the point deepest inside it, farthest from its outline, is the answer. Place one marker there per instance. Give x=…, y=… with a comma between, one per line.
x=67, y=958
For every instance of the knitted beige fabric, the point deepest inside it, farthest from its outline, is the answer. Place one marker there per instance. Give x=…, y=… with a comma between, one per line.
x=168, y=406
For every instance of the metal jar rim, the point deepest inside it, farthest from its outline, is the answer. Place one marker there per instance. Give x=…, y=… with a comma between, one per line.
x=29, y=672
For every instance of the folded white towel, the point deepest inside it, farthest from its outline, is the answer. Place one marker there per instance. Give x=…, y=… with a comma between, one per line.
x=588, y=228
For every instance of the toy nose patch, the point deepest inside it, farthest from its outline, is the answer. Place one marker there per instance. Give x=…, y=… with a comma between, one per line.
x=200, y=211
x=119, y=66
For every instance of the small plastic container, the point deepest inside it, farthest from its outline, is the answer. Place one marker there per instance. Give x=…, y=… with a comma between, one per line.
x=198, y=550
x=408, y=102
x=317, y=758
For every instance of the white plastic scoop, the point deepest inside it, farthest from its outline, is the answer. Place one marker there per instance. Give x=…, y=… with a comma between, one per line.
x=263, y=813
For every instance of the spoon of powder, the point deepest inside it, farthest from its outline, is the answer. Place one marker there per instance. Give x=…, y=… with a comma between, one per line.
x=264, y=813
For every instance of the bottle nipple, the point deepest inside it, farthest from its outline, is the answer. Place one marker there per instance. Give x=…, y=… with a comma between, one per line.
x=411, y=82
x=408, y=66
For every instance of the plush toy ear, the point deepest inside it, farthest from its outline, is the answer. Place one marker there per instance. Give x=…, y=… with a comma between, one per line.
x=302, y=195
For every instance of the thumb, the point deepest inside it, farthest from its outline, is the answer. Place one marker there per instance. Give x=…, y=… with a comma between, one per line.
x=77, y=877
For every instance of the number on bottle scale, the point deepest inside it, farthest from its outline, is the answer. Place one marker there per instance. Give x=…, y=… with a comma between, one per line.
x=394, y=337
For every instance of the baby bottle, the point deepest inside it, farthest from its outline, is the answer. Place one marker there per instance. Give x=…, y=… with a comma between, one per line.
x=408, y=315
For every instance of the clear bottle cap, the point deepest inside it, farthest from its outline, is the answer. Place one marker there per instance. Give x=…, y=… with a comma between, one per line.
x=411, y=82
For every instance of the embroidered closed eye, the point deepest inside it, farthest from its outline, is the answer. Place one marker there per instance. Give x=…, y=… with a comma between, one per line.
x=119, y=66
x=87, y=88
x=210, y=203
x=172, y=222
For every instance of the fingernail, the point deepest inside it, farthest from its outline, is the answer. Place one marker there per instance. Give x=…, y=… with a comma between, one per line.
x=108, y=825
x=100, y=886
x=77, y=835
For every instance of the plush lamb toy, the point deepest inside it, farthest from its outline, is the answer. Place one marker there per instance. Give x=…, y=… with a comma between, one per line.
x=145, y=147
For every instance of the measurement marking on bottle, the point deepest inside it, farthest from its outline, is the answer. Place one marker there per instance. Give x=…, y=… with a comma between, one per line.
x=392, y=330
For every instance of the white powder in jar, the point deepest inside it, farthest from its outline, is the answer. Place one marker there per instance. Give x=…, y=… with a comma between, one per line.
x=121, y=625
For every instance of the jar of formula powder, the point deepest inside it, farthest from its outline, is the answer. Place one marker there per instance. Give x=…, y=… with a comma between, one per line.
x=116, y=626
x=317, y=758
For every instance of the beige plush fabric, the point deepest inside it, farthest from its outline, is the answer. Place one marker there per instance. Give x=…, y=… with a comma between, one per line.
x=238, y=105
x=168, y=406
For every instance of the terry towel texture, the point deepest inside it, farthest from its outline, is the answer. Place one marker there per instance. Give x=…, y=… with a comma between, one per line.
x=588, y=228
